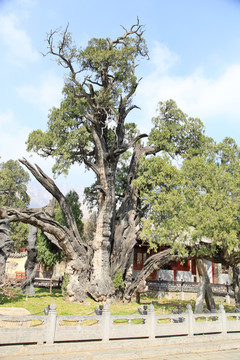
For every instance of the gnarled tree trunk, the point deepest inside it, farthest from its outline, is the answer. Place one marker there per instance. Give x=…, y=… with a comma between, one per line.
x=31, y=264
x=91, y=267
x=236, y=285
x=127, y=222
x=77, y=252
x=204, y=290
x=153, y=263
x=128, y=217
x=101, y=286
x=165, y=257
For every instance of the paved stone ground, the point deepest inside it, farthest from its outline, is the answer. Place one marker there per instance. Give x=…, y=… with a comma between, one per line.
x=12, y=311
x=210, y=347
x=210, y=355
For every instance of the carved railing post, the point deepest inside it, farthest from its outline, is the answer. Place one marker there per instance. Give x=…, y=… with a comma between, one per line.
x=52, y=320
x=223, y=319
x=151, y=321
x=190, y=319
x=106, y=322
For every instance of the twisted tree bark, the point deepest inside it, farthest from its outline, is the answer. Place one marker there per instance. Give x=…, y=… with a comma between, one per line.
x=153, y=263
x=77, y=252
x=236, y=285
x=31, y=264
x=204, y=290
x=92, y=266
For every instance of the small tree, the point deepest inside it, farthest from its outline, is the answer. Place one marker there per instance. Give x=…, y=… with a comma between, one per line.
x=13, y=184
x=48, y=254
x=194, y=208
x=13, y=192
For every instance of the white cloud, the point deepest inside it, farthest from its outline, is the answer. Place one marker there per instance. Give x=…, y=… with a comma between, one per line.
x=47, y=94
x=12, y=144
x=196, y=94
x=221, y=96
x=7, y=118
x=13, y=137
x=40, y=196
x=162, y=58
x=19, y=47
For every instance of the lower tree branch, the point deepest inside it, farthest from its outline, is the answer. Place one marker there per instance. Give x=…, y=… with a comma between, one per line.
x=40, y=219
x=51, y=187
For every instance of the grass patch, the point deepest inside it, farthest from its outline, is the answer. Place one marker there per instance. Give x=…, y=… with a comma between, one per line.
x=35, y=304
x=164, y=321
x=120, y=322
x=17, y=324
x=125, y=321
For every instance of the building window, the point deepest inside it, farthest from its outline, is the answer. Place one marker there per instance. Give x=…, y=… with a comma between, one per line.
x=140, y=256
x=139, y=259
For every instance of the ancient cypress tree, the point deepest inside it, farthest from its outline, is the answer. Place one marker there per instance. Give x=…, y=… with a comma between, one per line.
x=90, y=128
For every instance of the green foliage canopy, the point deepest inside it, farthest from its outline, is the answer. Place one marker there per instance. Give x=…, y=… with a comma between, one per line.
x=199, y=199
x=101, y=81
x=13, y=184
x=175, y=132
x=48, y=253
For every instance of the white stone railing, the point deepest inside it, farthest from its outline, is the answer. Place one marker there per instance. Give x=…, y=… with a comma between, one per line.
x=60, y=328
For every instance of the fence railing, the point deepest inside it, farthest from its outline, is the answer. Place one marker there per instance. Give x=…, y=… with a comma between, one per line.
x=61, y=328
x=38, y=282
x=187, y=286
x=45, y=283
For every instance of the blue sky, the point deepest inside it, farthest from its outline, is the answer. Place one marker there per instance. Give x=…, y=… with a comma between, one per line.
x=194, y=50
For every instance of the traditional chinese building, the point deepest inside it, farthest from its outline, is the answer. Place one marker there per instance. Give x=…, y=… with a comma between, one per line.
x=175, y=271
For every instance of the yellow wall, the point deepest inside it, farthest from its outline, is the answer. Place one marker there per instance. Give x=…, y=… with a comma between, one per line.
x=14, y=265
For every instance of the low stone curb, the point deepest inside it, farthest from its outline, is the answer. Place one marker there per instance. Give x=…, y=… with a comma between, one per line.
x=126, y=349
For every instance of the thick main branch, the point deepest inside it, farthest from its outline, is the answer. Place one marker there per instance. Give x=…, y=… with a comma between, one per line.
x=51, y=187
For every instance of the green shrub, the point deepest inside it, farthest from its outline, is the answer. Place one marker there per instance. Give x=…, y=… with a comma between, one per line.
x=118, y=280
x=65, y=284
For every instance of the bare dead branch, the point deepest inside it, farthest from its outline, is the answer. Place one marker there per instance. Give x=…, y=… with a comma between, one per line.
x=135, y=29
x=124, y=148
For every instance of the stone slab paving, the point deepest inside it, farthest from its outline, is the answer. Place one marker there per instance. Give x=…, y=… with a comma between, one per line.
x=212, y=355
x=200, y=348
x=12, y=311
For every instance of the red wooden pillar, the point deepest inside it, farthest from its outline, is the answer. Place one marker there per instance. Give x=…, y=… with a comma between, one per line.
x=174, y=267
x=213, y=273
